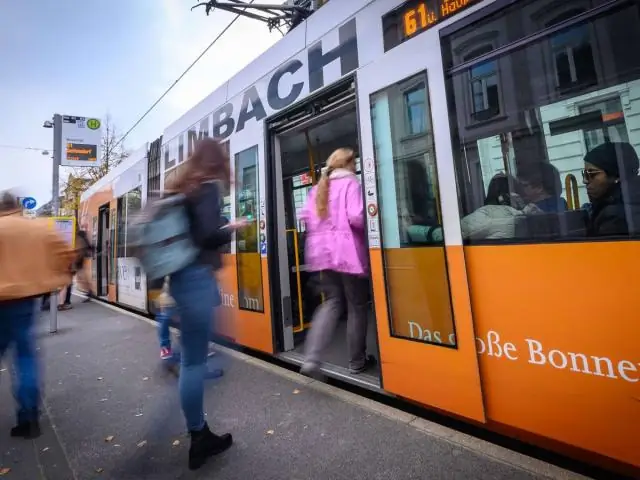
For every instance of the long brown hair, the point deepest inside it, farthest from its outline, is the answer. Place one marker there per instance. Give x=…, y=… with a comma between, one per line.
x=340, y=158
x=208, y=162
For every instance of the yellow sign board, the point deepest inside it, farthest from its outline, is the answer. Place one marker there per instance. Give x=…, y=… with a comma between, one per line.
x=66, y=226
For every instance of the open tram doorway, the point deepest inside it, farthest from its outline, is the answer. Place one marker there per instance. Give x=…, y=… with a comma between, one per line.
x=301, y=141
x=102, y=252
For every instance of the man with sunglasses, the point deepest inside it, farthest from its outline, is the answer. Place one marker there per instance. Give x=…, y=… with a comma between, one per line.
x=613, y=186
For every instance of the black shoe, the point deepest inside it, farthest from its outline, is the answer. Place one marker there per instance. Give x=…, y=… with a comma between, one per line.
x=368, y=363
x=30, y=429
x=205, y=444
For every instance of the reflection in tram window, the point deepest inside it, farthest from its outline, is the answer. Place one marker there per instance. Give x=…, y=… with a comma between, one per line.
x=248, y=254
x=571, y=89
x=413, y=241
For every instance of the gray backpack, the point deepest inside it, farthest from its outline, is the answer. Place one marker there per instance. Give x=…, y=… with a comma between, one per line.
x=161, y=237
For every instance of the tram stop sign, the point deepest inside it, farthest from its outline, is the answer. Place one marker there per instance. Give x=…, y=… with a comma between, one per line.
x=29, y=203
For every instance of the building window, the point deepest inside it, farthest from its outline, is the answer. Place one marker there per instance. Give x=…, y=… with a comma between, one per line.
x=484, y=91
x=248, y=257
x=572, y=55
x=614, y=127
x=484, y=86
x=415, y=104
x=409, y=210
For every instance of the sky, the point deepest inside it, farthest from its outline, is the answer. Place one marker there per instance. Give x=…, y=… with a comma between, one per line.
x=97, y=58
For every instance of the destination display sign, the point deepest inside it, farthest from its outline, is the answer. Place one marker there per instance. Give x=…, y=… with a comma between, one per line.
x=81, y=152
x=81, y=141
x=416, y=16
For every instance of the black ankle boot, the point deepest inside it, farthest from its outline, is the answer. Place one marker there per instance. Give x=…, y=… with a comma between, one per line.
x=26, y=429
x=205, y=444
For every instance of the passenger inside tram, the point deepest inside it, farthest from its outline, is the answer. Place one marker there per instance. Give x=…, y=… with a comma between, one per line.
x=303, y=153
x=611, y=176
x=498, y=217
x=541, y=185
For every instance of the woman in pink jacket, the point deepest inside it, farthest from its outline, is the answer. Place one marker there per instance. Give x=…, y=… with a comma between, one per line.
x=335, y=246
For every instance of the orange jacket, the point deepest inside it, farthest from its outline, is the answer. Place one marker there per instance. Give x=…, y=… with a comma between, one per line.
x=34, y=258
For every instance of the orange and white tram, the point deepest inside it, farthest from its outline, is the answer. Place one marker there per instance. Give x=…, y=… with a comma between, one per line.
x=523, y=320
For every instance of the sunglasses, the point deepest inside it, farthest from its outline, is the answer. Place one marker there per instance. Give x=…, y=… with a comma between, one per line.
x=590, y=174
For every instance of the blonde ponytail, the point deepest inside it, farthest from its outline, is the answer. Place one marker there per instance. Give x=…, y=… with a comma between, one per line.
x=322, y=196
x=340, y=158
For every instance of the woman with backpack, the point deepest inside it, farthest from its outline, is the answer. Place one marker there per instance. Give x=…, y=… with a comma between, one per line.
x=195, y=290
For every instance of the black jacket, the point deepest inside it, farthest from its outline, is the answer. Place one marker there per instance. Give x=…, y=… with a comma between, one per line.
x=205, y=216
x=618, y=214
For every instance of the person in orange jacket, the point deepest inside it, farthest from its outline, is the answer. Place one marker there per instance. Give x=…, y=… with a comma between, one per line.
x=34, y=260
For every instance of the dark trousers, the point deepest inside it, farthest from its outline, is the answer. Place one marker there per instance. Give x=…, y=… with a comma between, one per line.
x=67, y=295
x=17, y=319
x=340, y=288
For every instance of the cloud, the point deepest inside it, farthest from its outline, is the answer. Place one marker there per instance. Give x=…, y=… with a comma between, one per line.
x=187, y=33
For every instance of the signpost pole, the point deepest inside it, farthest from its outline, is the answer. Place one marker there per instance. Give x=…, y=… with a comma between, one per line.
x=55, y=205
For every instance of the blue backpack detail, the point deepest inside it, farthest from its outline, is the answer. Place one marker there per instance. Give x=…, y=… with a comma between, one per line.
x=162, y=238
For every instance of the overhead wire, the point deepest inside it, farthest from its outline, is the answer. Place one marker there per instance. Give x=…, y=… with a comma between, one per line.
x=224, y=30
x=18, y=147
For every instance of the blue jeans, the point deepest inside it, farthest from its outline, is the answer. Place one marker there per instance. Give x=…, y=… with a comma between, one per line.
x=17, y=318
x=195, y=292
x=164, y=321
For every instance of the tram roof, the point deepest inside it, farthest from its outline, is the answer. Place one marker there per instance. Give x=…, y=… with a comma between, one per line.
x=327, y=18
x=134, y=157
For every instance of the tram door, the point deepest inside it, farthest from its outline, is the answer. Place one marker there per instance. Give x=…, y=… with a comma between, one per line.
x=102, y=251
x=303, y=141
x=421, y=293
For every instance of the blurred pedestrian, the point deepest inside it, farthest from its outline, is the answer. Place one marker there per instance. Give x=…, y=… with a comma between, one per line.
x=34, y=260
x=195, y=290
x=336, y=249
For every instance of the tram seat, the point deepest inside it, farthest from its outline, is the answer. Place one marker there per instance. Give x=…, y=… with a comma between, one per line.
x=552, y=226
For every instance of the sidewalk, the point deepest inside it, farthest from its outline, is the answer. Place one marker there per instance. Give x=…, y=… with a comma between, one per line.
x=112, y=413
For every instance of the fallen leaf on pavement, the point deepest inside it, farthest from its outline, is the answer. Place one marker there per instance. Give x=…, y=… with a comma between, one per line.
x=142, y=443
x=109, y=438
x=270, y=432
x=4, y=471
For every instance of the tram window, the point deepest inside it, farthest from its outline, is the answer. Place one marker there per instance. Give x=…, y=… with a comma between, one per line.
x=413, y=242
x=128, y=205
x=225, y=198
x=249, y=261
x=561, y=160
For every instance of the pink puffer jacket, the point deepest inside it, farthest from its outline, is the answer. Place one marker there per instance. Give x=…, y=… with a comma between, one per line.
x=338, y=241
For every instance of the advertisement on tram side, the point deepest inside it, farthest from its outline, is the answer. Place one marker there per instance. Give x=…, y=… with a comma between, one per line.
x=132, y=283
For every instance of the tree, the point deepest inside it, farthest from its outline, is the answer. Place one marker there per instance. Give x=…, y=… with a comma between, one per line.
x=81, y=178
